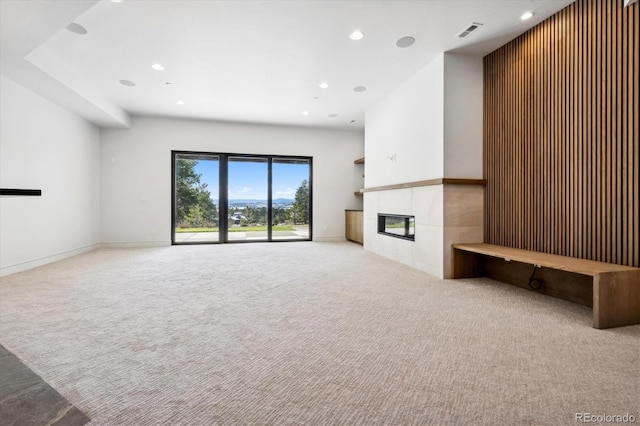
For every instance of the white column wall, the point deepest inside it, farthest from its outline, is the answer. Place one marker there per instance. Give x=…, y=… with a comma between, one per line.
x=463, y=205
x=430, y=127
x=463, y=83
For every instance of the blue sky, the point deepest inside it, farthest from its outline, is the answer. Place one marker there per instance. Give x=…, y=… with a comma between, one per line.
x=248, y=180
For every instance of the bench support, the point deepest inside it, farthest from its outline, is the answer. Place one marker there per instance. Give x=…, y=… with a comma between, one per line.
x=616, y=299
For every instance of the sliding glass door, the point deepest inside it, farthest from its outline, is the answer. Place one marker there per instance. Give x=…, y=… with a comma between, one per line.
x=291, y=210
x=247, y=198
x=219, y=197
x=196, y=185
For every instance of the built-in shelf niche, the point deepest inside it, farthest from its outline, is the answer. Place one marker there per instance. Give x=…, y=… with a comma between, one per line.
x=359, y=161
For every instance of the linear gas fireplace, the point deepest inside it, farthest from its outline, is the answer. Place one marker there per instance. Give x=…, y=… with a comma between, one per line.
x=397, y=225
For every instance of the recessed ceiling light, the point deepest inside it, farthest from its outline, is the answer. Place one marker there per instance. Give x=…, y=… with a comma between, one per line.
x=333, y=115
x=305, y=112
x=128, y=83
x=323, y=85
x=180, y=102
x=405, y=42
x=352, y=121
x=76, y=28
x=526, y=15
x=157, y=67
x=359, y=89
x=315, y=97
x=167, y=82
x=356, y=35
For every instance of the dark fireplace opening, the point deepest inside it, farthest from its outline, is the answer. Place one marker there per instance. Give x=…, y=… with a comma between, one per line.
x=397, y=225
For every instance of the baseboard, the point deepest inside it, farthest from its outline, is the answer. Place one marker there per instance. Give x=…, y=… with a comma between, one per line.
x=329, y=239
x=19, y=267
x=135, y=244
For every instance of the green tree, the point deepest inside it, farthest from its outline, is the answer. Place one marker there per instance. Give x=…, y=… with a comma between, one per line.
x=194, y=206
x=261, y=215
x=279, y=216
x=195, y=218
x=209, y=209
x=300, y=206
x=249, y=214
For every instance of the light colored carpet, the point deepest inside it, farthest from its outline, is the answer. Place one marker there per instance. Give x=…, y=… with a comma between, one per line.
x=307, y=333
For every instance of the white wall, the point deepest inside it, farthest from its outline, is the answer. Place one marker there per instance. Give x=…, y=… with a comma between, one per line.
x=136, y=171
x=43, y=146
x=404, y=131
x=463, y=92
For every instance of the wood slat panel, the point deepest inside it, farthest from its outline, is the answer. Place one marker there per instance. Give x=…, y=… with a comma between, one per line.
x=561, y=151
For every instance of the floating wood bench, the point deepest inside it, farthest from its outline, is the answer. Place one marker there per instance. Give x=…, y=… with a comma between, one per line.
x=612, y=290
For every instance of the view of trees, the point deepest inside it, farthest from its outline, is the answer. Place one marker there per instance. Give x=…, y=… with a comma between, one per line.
x=196, y=209
x=194, y=206
x=280, y=216
x=300, y=208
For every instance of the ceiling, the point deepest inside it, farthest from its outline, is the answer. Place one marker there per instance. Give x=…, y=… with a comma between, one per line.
x=248, y=61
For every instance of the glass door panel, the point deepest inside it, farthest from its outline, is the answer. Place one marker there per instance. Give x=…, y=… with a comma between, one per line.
x=291, y=212
x=247, y=198
x=196, y=217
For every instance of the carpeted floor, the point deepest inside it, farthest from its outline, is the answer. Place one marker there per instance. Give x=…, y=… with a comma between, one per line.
x=307, y=333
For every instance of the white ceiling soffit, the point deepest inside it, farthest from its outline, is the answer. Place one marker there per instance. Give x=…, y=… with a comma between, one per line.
x=248, y=61
x=27, y=24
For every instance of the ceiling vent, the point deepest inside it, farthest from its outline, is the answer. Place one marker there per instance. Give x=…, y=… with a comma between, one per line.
x=471, y=28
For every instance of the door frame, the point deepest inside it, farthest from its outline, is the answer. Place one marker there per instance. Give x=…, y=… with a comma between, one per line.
x=223, y=181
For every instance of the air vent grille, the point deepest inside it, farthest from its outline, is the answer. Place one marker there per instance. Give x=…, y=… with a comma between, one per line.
x=471, y=28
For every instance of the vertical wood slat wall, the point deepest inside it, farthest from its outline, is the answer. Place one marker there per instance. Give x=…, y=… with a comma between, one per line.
x=561, y=150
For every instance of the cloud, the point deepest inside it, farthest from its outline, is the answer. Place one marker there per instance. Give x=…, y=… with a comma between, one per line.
x=285, y=192
x=240, y=191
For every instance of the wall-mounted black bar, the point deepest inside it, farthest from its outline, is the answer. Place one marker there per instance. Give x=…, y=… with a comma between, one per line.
x=28, y=192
